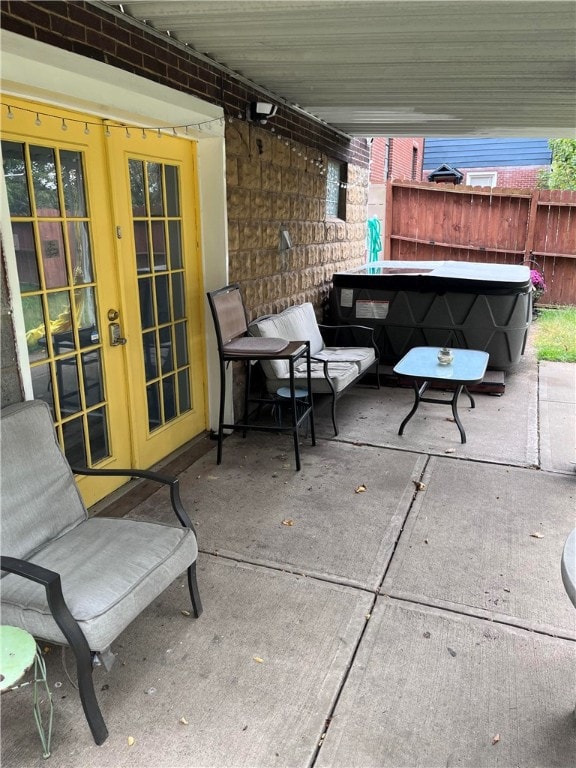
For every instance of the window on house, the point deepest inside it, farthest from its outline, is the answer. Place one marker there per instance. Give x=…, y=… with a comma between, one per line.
x=481, y=179
x=336, y=183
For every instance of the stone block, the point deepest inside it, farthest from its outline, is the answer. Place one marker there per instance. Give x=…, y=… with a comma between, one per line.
x=298, y=208
x=290, y=284
x=319, y=232
x=253, y=293
x=271, y=177
x=237, y=134
x=233, y=236
x=312, y=255
x=298, y=257
x=261, y=205
x=265, y=263
x=271, y=234
x=237, y=269
x=290, y=181
x=281, y=152
x=307, y=185
x=249, y=176
x=249, y=234
x=313, y=209
x=238, y=203
x=231, y=172
x=320, y=187
x=281, y=207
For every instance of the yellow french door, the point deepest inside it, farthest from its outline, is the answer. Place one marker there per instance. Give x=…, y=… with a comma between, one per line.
x=108, y=267
x=153, y=182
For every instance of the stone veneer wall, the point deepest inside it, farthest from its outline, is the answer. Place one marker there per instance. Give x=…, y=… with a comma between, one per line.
x=272, y=183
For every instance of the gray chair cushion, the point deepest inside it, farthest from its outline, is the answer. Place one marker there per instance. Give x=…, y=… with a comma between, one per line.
x=111, y=569
x=361, y=357
x=296, y=323
x=40, y=500
x=248, y=344
x=341, y=376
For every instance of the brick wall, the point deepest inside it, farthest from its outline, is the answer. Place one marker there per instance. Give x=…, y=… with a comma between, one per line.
x=393, y=158
x=401, y=160
x=378, y=157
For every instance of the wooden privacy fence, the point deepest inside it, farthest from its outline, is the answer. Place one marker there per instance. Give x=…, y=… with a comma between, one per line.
x=437, y=222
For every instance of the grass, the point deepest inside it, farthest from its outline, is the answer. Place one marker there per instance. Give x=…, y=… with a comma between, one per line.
x=555, y=335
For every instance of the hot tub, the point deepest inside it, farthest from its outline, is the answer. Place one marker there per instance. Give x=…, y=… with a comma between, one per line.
x=462, y=304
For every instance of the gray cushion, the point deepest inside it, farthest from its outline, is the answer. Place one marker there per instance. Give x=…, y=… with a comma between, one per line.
x=111, y=569
x=248, y=344
x=40, y=500
x=341, y=375
x=296, y=323
x=361, y=357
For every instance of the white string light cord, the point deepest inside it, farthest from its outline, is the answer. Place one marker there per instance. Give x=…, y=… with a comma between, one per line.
x=204, y=125
x=175, y=130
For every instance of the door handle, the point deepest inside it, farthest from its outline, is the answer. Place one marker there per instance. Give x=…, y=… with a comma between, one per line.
x=115, y=332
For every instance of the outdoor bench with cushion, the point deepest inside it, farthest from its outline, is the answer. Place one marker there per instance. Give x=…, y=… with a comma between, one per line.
x=351, y=354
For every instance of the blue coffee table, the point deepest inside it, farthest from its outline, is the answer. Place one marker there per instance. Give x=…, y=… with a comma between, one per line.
x=422, y=366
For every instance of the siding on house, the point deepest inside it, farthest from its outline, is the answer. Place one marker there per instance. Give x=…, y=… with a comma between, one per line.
x=485, y=153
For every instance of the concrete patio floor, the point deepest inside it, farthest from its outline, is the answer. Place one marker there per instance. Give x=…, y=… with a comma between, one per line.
x=420, y=622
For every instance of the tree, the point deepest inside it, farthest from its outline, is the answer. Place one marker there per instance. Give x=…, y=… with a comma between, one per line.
x=562, y=174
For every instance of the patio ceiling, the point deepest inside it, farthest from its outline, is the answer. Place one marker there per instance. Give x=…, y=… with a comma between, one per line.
x=393, y=67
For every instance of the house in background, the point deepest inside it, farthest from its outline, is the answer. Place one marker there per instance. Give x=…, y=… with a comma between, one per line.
x=392, y=158
x=513, y=163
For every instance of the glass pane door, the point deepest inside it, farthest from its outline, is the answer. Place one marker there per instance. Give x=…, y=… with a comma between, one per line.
x=156, y=204
x=52, y=233
x=157, y=230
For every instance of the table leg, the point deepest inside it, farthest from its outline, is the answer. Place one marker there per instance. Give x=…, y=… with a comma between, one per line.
x=294, y=416
x=472, y=403
x=417, y=394
x=457, y=392
x=40, y=682
x=310, y=400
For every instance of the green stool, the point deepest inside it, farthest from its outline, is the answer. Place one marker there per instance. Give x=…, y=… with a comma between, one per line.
x=18, y=653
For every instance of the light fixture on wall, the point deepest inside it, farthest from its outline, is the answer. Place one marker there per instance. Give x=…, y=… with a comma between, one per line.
x=285, y=241
x=260, y=111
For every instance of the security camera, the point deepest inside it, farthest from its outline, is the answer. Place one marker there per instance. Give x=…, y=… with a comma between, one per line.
x=260, y=111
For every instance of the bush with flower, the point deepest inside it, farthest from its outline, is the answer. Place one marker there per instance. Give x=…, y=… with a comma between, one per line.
x=538, y=284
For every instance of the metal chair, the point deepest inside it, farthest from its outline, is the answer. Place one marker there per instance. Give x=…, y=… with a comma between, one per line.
x=234, y=345
x=71, y=579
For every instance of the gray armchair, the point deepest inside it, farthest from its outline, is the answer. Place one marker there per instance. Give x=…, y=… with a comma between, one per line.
x=70, y=579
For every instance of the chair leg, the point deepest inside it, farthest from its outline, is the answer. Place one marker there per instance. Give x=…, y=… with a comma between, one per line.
x=79, y=645
x=221, y=411
x=334, y=415
x=194, y=591
x=88, y=695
